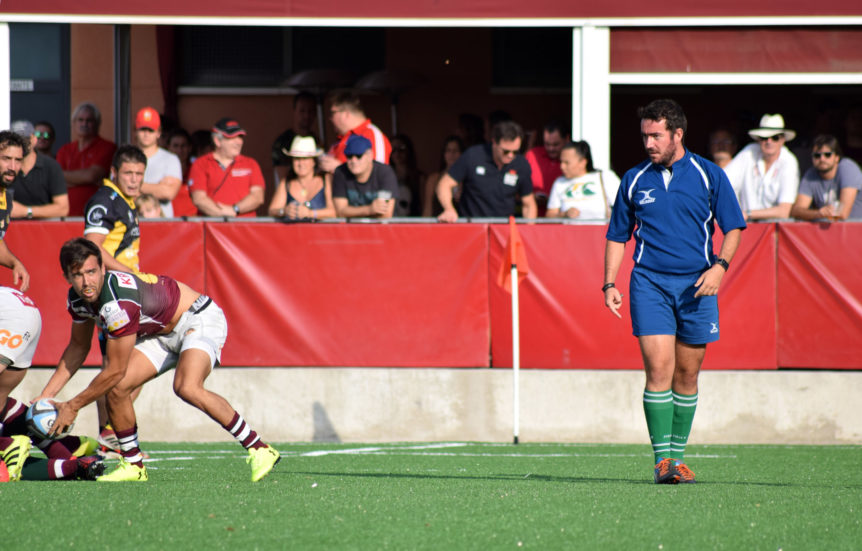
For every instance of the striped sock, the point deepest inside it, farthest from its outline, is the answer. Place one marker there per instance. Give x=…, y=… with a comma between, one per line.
x=243, y=433
x=129, y=446
x=658, y=410
x=49, y=469
x=683, y=415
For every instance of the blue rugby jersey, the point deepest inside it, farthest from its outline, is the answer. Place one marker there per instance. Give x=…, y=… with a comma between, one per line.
x=673, y=226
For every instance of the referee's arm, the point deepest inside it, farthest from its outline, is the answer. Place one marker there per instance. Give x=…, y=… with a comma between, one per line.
x=710, y=280
x=614, y=252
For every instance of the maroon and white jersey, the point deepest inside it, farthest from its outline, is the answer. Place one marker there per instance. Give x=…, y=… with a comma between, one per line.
x=128, y=305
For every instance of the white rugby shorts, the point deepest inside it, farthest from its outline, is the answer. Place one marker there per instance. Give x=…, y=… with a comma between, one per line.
x=203, y=327
x=20, y=327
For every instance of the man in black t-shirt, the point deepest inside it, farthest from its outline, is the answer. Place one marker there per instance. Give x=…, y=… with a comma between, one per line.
x=492, y=177
x=39, y=190
x=362, y=187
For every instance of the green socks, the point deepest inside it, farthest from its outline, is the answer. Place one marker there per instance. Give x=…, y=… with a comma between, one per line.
x=660, y=418
x=683, y=414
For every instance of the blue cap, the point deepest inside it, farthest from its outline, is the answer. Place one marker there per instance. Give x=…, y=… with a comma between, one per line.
x=357, y=145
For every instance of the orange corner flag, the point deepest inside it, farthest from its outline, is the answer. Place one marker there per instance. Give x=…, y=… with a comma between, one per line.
x=514, y=255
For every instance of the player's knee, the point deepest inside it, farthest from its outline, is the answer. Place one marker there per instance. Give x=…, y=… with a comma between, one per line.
x=188, y=392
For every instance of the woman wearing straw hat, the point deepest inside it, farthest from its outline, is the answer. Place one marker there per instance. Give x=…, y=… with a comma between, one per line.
x=765, y=174
x=303, y=194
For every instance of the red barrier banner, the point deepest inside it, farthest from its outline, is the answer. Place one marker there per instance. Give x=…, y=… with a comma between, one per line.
x=746, y=305
x=174, y=249
x=565, y=324
x=819, y=295
x=426, y=295
x=351, y=294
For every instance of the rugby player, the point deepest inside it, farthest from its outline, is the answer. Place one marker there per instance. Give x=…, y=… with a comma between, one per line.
x=151, y=328
x=69, y=457
x=111, y=222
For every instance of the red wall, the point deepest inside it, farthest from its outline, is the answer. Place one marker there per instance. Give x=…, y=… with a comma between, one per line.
x=425, y=294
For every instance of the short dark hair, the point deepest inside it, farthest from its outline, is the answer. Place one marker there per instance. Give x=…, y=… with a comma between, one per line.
x=582, y=148
x=128, y=154
x=665, y=109
x=347, y=99
x=13, y=139
x=307, y=96
x=76, y=251
x=557, y=126
x=506, y=130
x=827, y=140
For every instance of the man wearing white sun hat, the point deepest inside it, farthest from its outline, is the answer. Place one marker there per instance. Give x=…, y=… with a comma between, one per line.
x=765, y=174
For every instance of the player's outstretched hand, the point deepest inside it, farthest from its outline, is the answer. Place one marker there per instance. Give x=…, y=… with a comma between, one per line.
x=709, y=281
x=613, y=300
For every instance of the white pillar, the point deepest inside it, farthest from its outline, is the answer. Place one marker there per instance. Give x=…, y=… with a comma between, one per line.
x=591, y=91
x=5, y=75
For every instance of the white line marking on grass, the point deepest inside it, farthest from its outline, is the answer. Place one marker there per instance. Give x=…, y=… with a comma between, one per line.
x=376, y=449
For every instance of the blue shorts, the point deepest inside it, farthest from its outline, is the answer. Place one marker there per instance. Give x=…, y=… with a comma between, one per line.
x=664, y=304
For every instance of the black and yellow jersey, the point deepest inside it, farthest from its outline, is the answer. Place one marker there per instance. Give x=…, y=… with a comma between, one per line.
x=5, y=211
x=111, y=213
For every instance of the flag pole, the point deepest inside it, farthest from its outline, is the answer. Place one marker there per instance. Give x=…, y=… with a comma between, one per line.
x=516, y=356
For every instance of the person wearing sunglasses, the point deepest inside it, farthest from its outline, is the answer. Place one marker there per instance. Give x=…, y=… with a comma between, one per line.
x=363, y=187
x=39, y=190
x=492, y=178
x=765, y=174
x=45, y=137
x=830, y=188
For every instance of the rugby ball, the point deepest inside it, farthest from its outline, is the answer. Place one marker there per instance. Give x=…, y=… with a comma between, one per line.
x=40, y=418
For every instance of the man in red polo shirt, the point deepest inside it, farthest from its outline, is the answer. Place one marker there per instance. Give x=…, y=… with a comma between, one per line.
x=87, y=160
x=349, y=119
x=545, y=161
x=225, y=183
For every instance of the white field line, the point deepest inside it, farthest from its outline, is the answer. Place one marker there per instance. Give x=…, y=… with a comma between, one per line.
x=408, y=450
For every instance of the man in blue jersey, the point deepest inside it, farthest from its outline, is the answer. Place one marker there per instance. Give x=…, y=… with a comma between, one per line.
x=670, y=203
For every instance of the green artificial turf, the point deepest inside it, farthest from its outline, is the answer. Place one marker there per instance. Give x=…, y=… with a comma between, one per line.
x=452, y=496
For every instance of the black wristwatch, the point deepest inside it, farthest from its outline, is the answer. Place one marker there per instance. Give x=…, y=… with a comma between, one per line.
x=723, y=263
x=236, y=209
x=29, y=213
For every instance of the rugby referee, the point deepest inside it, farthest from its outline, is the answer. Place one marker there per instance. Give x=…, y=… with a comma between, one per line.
x=670, y=203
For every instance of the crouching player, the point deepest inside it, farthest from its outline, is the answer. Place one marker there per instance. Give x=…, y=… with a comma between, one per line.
x=151, y=328
x=69, y=457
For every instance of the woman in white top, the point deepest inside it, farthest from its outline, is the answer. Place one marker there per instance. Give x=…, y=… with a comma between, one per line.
x=582, y=192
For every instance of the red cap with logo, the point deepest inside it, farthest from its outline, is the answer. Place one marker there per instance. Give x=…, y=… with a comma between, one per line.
x=148, y=118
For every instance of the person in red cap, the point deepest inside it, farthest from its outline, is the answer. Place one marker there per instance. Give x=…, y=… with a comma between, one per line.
x=87, y=160
x=164, y=174
x=224, y=182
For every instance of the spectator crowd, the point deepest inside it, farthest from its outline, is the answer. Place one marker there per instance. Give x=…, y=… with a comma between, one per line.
x=367, y=174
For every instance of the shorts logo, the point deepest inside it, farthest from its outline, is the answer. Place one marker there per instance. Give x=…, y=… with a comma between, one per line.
x=25, y=300
x=714, y=327
x=125, y=280
x=646, y=198
x=10, y=340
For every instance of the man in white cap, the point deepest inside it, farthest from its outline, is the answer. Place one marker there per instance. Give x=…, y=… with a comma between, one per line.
x=164, y=174
x=765, y=174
